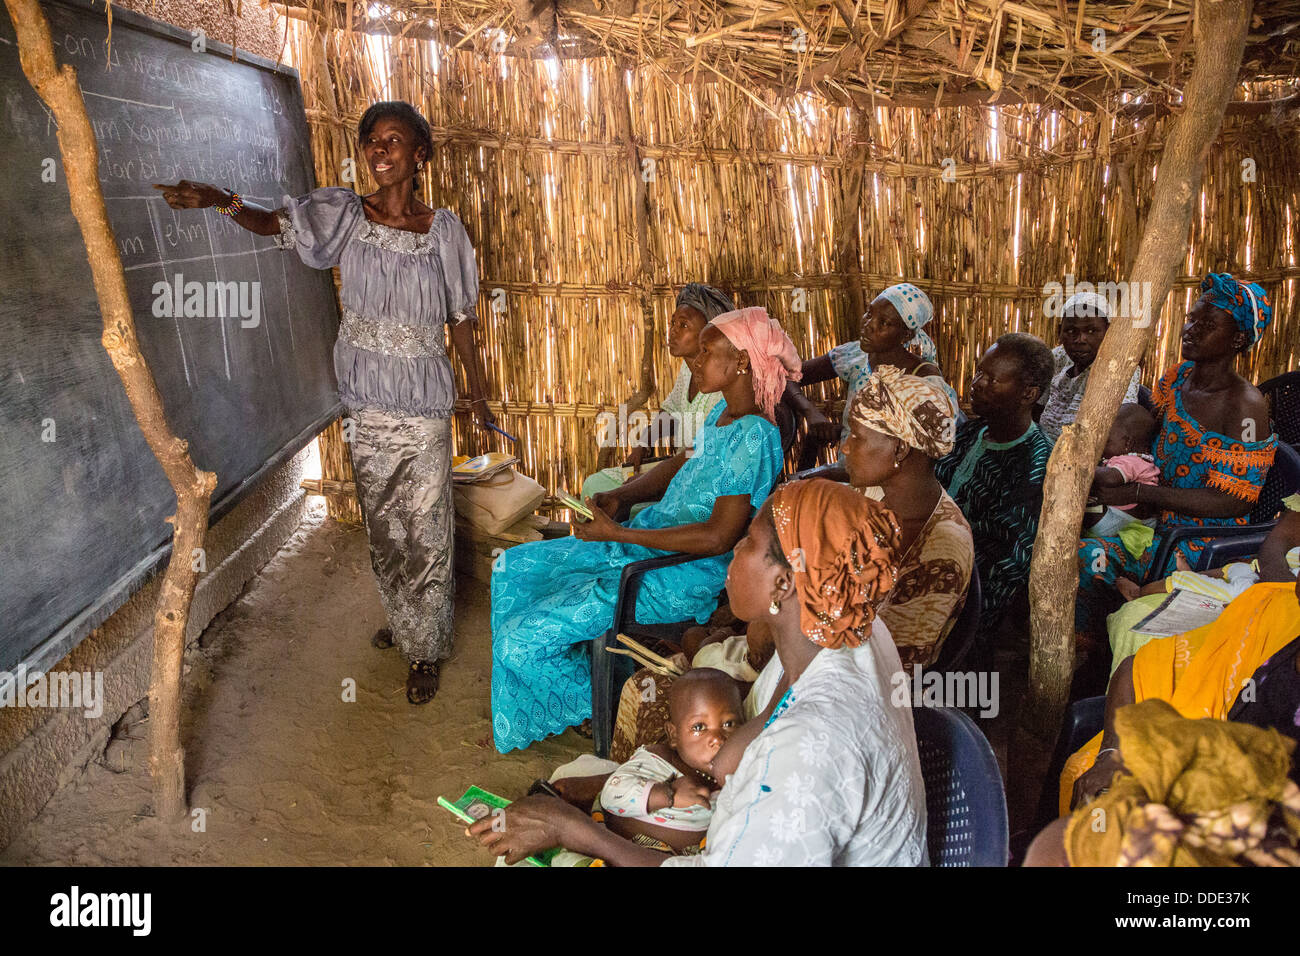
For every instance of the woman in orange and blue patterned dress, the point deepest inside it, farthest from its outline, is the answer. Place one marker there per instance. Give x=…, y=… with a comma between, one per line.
x=1213, y=445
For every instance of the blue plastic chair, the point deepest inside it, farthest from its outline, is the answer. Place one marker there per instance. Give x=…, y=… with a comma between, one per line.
x=1283, y=479
x=1083, y=721
x=610, y=671
x=1283, y=394
x=965, y=804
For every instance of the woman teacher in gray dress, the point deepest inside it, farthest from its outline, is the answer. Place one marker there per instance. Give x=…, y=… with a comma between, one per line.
x=407, y=270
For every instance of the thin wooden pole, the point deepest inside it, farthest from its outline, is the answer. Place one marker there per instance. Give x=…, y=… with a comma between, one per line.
x=644, y=263
x=1054, y=574
x=848, y=246
x=57, y=86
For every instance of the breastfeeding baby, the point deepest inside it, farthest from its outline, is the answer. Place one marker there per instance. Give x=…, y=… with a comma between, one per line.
x=663, y=796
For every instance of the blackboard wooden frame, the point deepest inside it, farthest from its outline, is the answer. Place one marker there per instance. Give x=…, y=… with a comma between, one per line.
x=58, y=644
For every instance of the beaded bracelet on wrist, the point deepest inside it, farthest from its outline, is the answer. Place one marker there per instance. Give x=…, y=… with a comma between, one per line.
x=233, y=207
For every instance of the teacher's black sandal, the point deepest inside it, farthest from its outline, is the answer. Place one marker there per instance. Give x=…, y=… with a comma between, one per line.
x=422, y=682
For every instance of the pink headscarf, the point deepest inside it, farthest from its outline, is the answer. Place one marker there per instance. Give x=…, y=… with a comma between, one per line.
x=772, y=356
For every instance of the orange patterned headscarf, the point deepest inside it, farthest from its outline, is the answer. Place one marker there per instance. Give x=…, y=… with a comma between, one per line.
x=841, y=548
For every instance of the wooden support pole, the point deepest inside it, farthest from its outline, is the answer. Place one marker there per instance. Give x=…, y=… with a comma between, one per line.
x=57, y=86
x=644, y=265
x=848, y=246
x=1053, y=580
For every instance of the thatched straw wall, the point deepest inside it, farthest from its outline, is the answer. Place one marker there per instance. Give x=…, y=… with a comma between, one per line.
x=757, y=196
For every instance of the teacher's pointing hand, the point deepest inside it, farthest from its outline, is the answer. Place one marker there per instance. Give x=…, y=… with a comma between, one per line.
x=191, y=195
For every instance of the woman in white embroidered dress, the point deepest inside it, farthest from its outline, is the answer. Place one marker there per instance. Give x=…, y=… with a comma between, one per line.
x=828, y=774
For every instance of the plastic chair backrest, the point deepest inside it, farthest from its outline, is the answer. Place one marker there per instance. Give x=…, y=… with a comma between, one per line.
x=1283, y=394
x=1083, y=720
x=957, y=646
x=1283, y=480
x=1224, y=549
x=965, y=804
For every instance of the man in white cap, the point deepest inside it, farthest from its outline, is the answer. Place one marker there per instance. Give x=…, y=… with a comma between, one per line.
x=1085, y=317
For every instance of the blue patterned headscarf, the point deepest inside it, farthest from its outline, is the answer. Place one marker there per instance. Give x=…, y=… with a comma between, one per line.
x=1246, y=302
x=915, y=309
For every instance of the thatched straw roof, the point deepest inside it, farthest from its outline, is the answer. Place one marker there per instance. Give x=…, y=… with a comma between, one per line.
x=878, y=52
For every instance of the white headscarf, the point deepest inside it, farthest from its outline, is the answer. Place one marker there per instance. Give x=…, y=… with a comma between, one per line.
x=1087, y=305
x=915, y=309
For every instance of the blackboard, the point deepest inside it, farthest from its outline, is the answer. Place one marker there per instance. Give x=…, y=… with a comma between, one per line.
x=82, y=500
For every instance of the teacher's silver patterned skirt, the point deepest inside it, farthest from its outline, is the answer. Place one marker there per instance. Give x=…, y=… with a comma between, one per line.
x=403, y=472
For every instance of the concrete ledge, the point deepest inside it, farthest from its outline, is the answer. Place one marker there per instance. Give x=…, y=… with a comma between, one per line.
x=41, y=749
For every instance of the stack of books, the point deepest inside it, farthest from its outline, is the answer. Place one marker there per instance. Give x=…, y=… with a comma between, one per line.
x=482, y=468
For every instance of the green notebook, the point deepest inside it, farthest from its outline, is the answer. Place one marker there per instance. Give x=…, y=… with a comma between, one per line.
x=475, y=804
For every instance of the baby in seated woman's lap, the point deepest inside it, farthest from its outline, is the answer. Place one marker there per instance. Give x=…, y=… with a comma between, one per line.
x=1126, y=458
x=663, y=795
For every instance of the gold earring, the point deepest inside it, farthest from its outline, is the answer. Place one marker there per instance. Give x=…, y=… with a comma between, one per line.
x=774, y=608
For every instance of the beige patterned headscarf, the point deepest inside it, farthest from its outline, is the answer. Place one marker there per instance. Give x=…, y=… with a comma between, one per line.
x=906, y=407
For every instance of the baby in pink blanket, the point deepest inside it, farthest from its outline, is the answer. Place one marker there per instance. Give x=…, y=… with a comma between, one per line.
x=1126, y=458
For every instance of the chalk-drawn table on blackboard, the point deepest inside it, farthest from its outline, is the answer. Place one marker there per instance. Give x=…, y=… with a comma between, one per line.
x=82, y=501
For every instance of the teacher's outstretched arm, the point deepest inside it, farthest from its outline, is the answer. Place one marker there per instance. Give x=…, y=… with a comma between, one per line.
x=191, y=195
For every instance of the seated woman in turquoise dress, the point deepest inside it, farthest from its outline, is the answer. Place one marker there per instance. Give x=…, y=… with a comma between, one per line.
x=1213, y=447
x=550, y=598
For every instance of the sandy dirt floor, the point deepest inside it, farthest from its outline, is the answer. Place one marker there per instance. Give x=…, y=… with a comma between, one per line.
x=287, y=772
